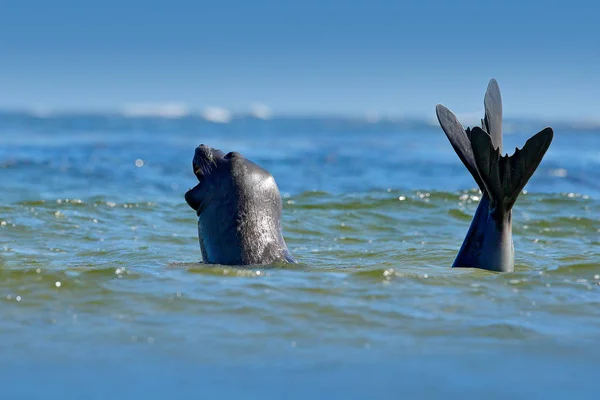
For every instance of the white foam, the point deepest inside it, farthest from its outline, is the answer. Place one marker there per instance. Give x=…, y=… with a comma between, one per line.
x=216, y=114
x=372, y=117
x=165, y=110
x=470, y=118
x=40, y=112
x=261, y=111
x=586, y=123
x=559, y=172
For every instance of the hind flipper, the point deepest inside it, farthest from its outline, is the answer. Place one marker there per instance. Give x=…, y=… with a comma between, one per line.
x=460, y=140
x=492, y=122
x=504, y=177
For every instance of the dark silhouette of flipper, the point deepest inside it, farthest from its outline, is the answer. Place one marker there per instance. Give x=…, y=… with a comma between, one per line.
x=460, y=139
x=488, y=243
x=492, y=121
x=504, y=177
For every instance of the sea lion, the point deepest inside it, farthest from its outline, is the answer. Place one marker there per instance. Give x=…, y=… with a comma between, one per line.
x=489, y=244
x=239, y=210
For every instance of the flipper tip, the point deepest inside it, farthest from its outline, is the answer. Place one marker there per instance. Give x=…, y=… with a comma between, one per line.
x=440, y=108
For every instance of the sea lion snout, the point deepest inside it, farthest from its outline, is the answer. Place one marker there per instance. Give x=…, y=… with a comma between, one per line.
x=205, y=159
x=203, y=153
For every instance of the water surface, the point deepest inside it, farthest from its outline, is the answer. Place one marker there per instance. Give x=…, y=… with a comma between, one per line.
x=102, y=293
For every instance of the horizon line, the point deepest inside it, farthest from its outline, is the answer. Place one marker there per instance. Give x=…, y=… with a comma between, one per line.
x=179, y=110
x=221, y=115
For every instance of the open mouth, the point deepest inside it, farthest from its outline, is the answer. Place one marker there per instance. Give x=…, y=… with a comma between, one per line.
x=198, y=171
x=205, y=160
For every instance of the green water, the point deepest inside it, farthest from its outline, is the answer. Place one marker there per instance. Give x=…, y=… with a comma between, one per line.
x=99, y=268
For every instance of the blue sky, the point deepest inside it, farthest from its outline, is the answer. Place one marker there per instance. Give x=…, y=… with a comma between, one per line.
x=332, y=57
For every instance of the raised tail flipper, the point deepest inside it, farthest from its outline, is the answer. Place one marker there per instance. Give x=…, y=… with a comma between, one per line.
x=460, y=139
x=504, y=177
x=492, y=121
x=488, y=243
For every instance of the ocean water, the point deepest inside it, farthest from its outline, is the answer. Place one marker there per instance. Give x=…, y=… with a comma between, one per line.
x=102, y=292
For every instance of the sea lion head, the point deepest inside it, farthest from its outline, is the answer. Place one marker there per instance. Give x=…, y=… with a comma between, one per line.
x=239, y=210
x=212, y=168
